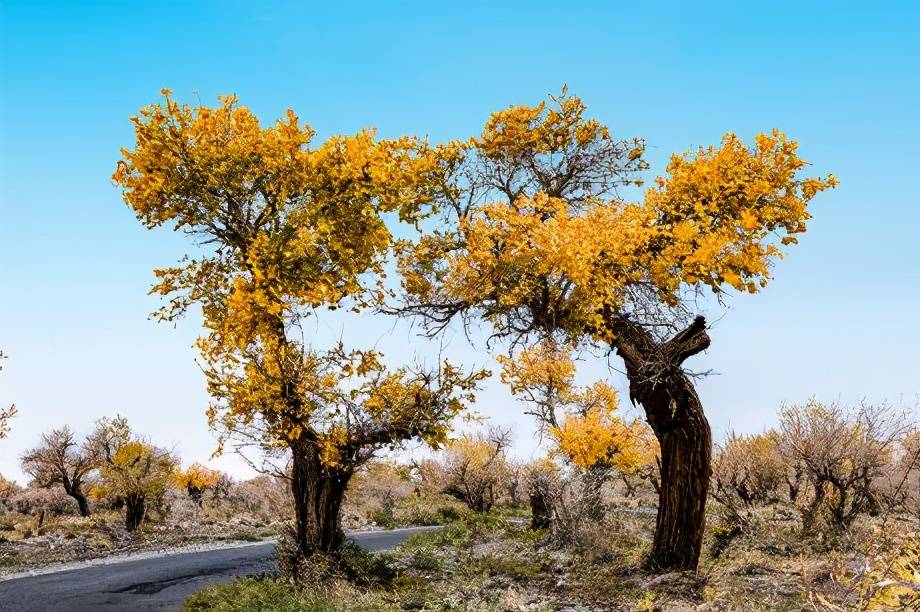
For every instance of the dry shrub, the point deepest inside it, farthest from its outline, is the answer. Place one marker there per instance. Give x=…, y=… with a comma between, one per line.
x=265, y=498
x=829, y=463
x=901, y=486
x=376, y=490
x=475, y=468
x=845, y=453
x=748, y=471
x=8, y=489
x=43, y=503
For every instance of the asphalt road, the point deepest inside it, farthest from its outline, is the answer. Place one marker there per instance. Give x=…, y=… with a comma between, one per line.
x=154, y=583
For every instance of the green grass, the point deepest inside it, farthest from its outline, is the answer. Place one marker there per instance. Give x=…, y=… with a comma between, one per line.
x=244, y=536
x=280, y=595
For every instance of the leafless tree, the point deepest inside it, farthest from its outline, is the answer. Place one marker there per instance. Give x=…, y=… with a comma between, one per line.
x=475, y=467
x=60, y=461
x=843, y=452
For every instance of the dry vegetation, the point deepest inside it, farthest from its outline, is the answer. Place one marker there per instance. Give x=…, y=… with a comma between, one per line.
x=819, y=514
x=777, y=535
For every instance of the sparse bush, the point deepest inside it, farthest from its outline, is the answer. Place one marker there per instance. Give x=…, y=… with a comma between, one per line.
x=475, y=467
x=266, y=498
x=844, y=452
x=902, y=485
x=8, y=489
x=60, y=461
x=747, y=471
x=377, y=489
x=42, y=503
x=542, y=483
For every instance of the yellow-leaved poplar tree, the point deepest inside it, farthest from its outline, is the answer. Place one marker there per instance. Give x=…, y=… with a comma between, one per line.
x=196, y=480
x=286, y=227
x=130, y=468
x=538, y=242
x=582, y=421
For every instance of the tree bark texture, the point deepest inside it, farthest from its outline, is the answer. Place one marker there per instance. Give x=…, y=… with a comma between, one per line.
x=658, y=383
x=318, y=492
x=135, y=511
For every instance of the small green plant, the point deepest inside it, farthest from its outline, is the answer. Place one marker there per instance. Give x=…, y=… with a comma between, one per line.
x=280, y=595
x=516, y=568
x=245, y=536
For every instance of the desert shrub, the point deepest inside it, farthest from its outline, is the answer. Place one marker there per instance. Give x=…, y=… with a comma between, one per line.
x=901, y=485
x=266, y=498
x=747, y=471
x=844, y=452
x=377, y=489
x=8, y=489
x=542, y=482
x=42, y=503
x=475, y=468
x=575, y=506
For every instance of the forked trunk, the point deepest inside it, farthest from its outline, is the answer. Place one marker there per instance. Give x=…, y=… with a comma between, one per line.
x=74, y=489
x=318, y=492
x=135, y=511
x=674, y=411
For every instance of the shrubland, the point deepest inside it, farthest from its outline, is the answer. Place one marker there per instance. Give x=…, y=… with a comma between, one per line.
x=767, y=544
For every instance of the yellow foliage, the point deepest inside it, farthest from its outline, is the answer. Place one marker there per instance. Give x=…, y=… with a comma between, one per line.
x=549, y=249
x=198, y=477
x=894, y=583
x=599, y=437
x=591, y=433
x=136, y=467
x=293, y=227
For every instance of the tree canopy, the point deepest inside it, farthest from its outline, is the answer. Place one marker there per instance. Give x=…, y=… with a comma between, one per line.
x=541, y=242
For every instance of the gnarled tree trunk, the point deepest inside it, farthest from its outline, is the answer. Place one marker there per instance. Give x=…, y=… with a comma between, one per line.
x=135, y=511
x=82, y=502
x=74, y=489
x=541, y=511
x=673, y=409
x=318, y=492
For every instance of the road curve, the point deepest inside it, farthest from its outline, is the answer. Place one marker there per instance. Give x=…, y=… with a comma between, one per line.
x=155, y=583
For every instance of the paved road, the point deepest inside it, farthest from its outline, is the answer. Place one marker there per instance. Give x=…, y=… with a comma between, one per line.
x=157, y=583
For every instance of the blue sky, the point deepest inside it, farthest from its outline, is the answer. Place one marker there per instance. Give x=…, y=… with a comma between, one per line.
x=839, y=321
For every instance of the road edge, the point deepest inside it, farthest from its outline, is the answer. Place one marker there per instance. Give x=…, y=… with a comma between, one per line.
x=56, y=568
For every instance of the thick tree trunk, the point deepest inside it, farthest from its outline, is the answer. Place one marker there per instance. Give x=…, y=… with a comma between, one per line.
x=135, y=511
x=686, y=447
x=318, y=492
x=541, y=511
x=673, y=409
x=82, y=503
x=75, y=492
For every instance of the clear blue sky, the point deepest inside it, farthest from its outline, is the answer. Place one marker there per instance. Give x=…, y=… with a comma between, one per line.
x=840, y=321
